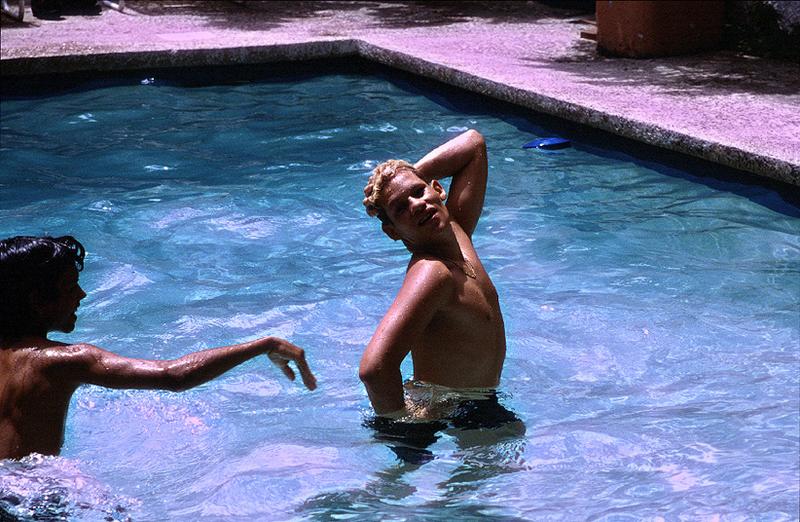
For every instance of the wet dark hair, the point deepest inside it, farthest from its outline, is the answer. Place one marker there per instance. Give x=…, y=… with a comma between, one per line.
x=31, y=264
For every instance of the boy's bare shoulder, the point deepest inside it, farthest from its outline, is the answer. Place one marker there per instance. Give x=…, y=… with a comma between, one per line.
x=428, y=283
x=430, y=270
x=48, y=359
x=66, y=356
x=74, y=351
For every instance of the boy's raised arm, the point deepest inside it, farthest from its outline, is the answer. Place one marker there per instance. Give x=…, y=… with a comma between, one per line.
x=464, y=159
x=92, y=365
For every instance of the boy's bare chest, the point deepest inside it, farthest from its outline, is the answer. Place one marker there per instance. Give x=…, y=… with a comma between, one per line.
x=472, y=315
x=464, y=344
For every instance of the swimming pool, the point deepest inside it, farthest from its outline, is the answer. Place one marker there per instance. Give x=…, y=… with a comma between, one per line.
x=651, y=314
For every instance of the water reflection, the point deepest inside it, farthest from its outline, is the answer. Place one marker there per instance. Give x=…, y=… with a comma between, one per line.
x=436, y=466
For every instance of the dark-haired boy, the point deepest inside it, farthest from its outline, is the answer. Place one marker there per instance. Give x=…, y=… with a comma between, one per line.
x=39, y=293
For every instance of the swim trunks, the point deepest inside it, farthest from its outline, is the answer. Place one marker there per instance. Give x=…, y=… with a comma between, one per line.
x=485, y=413
x=459, y=409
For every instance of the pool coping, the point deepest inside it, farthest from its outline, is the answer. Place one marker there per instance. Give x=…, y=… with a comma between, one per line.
x=647, y=132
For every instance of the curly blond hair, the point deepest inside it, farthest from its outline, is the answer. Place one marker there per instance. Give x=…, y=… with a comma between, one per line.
x=380, y=177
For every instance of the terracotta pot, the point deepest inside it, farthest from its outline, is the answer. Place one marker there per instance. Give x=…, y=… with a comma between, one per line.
x=643, y=28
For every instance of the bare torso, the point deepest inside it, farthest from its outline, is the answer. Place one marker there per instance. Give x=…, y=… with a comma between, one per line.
x=33, y=401
x=464, y=345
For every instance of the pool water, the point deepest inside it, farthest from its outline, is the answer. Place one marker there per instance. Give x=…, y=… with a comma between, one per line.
x=652, y=314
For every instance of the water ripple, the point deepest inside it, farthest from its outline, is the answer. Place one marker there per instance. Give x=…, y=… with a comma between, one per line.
x=53, y=488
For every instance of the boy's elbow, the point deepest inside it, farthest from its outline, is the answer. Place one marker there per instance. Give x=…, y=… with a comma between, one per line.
x=476, y=144
x=371, y=374
x=175, y=379
x=476, y=138
x=367, y=373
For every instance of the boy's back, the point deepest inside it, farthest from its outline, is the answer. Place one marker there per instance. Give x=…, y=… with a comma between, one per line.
x=38, y=378
x=34, y=398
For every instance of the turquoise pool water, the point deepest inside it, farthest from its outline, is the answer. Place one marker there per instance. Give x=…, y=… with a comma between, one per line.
x=652, y=315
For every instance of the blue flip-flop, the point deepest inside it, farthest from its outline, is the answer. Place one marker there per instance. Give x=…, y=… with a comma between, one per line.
x=548, y=144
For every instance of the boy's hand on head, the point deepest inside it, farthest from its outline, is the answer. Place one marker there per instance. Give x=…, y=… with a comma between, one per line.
x=283, y=352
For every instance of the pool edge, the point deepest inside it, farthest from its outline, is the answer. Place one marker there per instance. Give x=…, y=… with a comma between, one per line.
x=647, y=132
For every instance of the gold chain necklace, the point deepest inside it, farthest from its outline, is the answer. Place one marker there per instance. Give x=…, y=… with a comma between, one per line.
x=465, y=267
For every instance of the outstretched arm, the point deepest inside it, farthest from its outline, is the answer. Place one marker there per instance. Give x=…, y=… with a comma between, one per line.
x=427, y=286
x=92, y=365
x=464, y=159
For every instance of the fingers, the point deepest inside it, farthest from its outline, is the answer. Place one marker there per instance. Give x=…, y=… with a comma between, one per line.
x=305, y=373
x=288, y=352
x=287, y=371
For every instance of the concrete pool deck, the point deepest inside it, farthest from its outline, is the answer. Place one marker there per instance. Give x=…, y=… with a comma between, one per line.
x=738, y=111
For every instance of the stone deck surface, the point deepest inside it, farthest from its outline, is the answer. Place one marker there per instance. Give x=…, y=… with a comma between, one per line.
x=735, y=110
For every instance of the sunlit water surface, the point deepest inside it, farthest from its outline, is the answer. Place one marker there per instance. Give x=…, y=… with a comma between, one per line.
x=652, y=317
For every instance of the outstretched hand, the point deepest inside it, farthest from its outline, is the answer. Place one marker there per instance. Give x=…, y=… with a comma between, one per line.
x=284, y=352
